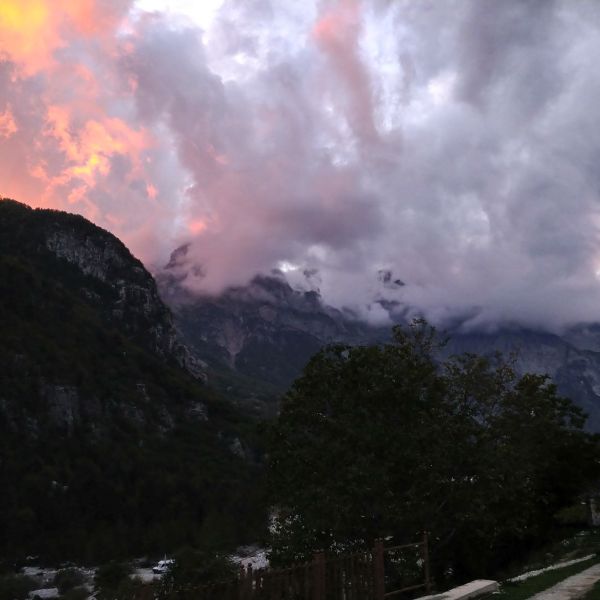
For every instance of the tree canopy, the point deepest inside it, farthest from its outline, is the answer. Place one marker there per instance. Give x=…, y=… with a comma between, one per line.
x=391, y=440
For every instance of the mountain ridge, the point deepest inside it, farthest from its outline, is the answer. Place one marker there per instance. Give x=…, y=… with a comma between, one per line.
x=266, y=331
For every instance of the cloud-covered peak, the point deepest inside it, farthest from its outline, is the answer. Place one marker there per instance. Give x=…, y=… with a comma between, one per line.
x=451, y=144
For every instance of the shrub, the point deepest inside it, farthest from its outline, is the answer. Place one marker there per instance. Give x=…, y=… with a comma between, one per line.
x=16, y=587
x=76, y=593
x=194, y=568
x=110, y=577
x=67, y=579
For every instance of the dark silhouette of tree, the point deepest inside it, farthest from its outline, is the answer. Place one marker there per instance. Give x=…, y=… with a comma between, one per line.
x=390, y=440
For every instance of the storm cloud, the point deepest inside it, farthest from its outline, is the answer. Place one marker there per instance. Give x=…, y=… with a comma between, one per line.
x=452, y=143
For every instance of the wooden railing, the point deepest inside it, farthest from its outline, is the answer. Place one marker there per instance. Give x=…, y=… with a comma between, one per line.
x=379, y=564
x=360, y=576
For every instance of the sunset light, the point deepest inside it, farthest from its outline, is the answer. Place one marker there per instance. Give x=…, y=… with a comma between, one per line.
x=338, y=126
x=299, y=299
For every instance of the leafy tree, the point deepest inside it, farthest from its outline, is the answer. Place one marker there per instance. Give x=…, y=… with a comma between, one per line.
x=391, y=440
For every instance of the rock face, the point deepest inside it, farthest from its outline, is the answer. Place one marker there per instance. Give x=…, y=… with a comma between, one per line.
x=78, y=305
x=63, y=405
x=259, y=337
x=135, y=303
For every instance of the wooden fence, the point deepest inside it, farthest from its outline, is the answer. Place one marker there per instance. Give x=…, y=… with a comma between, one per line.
x=360, y=576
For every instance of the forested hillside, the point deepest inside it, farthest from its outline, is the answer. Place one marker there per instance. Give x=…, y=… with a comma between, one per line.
x=110, y=443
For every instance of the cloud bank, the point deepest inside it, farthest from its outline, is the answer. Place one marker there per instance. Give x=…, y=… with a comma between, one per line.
x=454, y=144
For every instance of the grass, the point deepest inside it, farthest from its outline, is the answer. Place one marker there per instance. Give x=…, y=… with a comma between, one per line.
x=594, y=593
x=525, y=589
x=573, y=544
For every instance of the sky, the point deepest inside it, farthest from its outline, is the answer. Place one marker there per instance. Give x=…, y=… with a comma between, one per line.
x=452, y=143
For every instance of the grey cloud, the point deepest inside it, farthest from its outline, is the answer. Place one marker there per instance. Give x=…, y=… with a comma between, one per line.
x=452, y=143
x=517, y=44
x=473, y=197
x=339, y=226
x=260, y=182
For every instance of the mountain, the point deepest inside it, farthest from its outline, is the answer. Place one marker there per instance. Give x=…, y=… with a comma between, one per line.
x=256, y=339
x=110, y=442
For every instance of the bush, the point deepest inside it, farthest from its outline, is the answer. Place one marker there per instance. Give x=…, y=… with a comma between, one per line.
x=574, y=515
x=77, y=593
x=16, y=587
x=193, y=568
x=67, y=579
x=128, y=589
x=110, y=577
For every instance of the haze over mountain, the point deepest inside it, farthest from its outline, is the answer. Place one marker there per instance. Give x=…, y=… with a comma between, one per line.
x=257, y=339
x=452, y=143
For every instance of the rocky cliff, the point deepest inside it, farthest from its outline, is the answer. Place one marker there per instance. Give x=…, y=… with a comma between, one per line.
x=134, y=302
x=81, y=288
x=256, y=339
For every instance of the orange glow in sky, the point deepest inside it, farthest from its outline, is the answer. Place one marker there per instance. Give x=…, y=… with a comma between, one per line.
x=27, y=32
x=32, y=30
x=8, y=127
x=80, y=130
x=196, y=226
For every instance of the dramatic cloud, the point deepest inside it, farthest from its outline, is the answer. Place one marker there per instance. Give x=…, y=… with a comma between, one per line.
x=452, y=143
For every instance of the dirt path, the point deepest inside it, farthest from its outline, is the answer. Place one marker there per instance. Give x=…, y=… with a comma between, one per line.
x=571, y=587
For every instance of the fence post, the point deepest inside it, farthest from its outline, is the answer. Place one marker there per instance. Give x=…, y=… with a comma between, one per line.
x=426, y=562
x=379, y=570
x=319, y=575
x=245, y=589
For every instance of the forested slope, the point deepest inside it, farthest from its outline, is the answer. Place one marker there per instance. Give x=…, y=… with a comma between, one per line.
x=110, y=443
